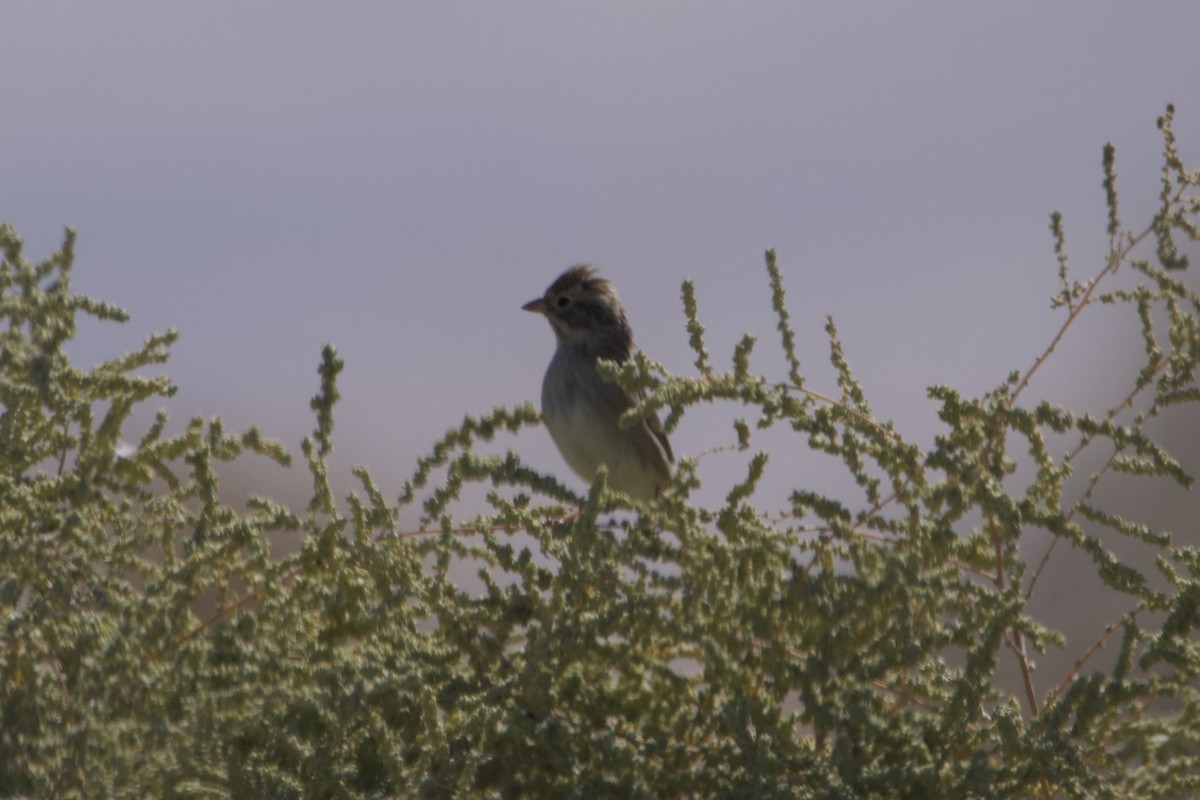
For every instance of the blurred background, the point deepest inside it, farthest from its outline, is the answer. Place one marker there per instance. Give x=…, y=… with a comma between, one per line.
x=397, y=179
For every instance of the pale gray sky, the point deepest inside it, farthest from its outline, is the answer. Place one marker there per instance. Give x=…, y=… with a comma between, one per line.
x=398, y=179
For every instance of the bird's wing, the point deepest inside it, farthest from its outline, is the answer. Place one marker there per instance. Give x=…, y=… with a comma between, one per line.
x=656, y=427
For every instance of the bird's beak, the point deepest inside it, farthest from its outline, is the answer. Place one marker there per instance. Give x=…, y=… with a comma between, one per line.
x=537, y=306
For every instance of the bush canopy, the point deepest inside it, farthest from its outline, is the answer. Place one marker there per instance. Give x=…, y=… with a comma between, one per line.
x=843, y=647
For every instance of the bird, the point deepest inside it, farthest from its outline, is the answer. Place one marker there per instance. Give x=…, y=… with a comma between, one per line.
x=581, y=409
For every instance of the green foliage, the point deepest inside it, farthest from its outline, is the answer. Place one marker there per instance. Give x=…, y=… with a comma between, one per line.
x=849, y=646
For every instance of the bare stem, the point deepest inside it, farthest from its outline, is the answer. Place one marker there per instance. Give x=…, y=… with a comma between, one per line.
x=1091, y=651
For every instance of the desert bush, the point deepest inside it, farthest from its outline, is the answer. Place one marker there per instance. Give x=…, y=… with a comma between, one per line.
x=846, y=646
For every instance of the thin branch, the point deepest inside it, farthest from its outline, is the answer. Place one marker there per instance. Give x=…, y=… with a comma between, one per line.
x=1115, y=257
x=1091, y=651
x=1016, y=639
x=861, y=417
x=1094, y=479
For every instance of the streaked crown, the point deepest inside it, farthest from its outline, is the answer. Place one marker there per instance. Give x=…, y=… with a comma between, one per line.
x=585, y=312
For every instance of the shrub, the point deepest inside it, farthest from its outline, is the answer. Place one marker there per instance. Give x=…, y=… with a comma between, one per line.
x=846, y=647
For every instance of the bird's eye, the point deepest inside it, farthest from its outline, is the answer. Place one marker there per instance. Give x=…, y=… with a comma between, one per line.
x=563, y=302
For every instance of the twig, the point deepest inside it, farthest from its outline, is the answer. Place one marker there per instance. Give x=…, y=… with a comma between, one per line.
x=1016, y=639
x=1115, y=257
x=1091, y=651
x=861, y=417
